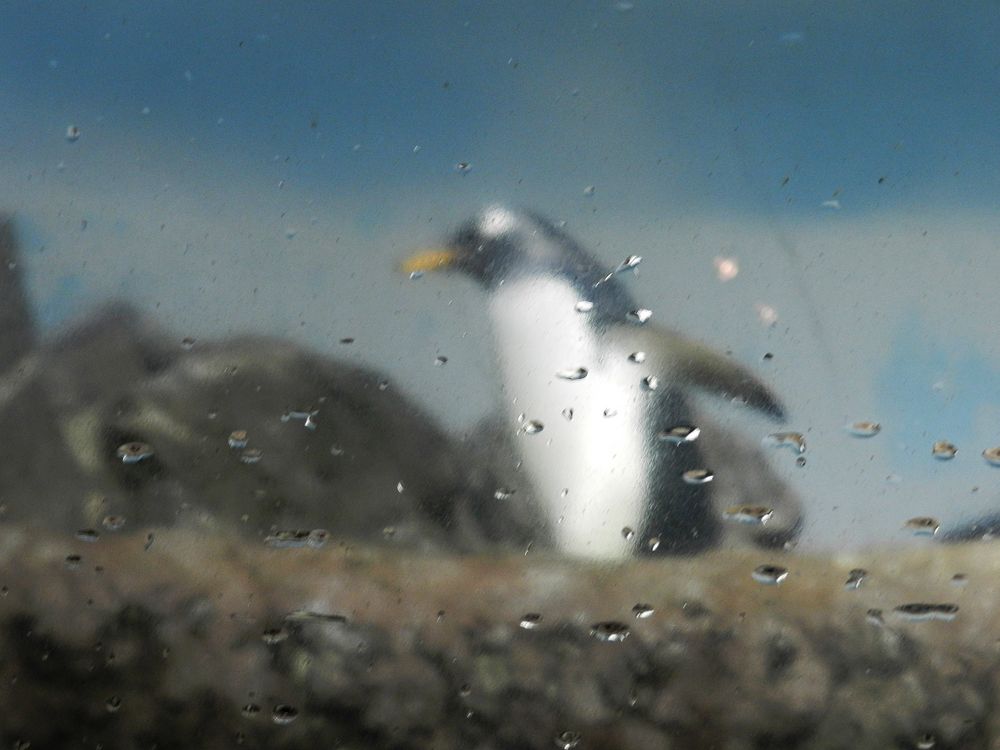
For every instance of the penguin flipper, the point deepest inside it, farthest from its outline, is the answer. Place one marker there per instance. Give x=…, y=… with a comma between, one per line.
x=702, y=367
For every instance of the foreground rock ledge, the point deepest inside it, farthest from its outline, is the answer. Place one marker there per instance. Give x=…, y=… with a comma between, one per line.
x=182, y=640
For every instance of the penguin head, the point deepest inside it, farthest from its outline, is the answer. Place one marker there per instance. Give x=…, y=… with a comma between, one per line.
x=501, y=244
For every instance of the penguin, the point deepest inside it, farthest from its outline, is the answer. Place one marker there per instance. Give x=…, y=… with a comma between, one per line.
x=599, y=397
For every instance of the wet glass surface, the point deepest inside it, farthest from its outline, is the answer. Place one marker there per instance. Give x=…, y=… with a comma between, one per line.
x=588, y=375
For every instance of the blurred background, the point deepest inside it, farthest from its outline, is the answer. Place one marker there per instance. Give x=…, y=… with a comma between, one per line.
x=814, y=182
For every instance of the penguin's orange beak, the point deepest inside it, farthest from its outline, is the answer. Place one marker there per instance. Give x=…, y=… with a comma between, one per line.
x=432, y=259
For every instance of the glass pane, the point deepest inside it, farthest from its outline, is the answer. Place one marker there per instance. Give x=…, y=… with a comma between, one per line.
x=513, y=375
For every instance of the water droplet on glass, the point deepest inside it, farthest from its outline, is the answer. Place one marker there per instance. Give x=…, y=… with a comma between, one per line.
x=874, y=617
x=133, y=453
x=578, y=373
x=567, y=740
x=284, y=714
x=530, y=621
x=641, y=314
x=584, y=306
x=855, y=578
x=959, y=579
x=926, y=741
x=864, y=428
x=794, y=440
x=681, y=433
x=753, y=515
x=653, y=543
x=400, y=487
x=922, y=526
x=73, y=561
x=87, y=535
x=290, y=233
x=628, y=534
x=992, y=456
x=389, y=532
x=589, y=190
x=800, y=461
x=113, y=704
x=637, y=357
x=273, y=636
x=287, y=538
x=650, y=383
x=317, y=538
x=440, y=361
x=187, y=343
x=642, y=611
x=250, y=710
x=72, y=133
x=770, y=575
x=414, y=275
x=503, y=493
x=463, y=167
x=113, y=523
x=383, y=385
x=251, y=456
x=921, y=612
x=631, y=261
x=568, y=413
x=610, y=631
x=237, y=439
x=943, y=450
x=609, y=412
x=767, y=315
x=532, y=426
x=308, y=418
x=697, y=476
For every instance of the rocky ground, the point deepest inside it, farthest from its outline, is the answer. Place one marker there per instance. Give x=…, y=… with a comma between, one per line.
x=188, y=640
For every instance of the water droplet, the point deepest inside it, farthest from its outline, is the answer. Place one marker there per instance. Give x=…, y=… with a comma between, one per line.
x=250, y=710
x=926, y=741
x=284, y=714
x=589, y=190
x=237, y=439
x=628, y=534
x=251, y=456
x=383, y=385
x=347, y=340
x=609, y=412
x=414, y=275
x=653, y=543
x=631, y=261
x=641, y=314
x=800, y=461
x=113, y=704
x=72, y=133
x=133, y=453
x=306, y=417
x=306, y=616
x=567, y=740
x=73, y=561
x=149, y=541
x=922, y=526
x=642, y=611
x=187, y=343
x=874, y=617
x=610, y=631
x=681, y=433
x=530, y=621
x=697, y=476
x=463, y=167
x=389, y=532
x=767, y=315
x=650, y=383
x=794, y=440
x=113, y=523
x=584, y=306
x=290, y=233
x=959, y=579
x=287, y=538
x=465, y=690
x=273, y=636
x=578, y=373
x=568, y=413
x=864, y=429
x=440, y=361
x=992, y=456
x=943, y=450
x=87, y=535
x=637, y=357
x=399, y=487
x=532, y=426
x=503, y=493
x=921, y=612
x=317, y=538
x=754, y=515
x=855, y=578
x=770, y=575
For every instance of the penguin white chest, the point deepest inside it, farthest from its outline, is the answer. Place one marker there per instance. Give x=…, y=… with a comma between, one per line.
x=588, y=466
